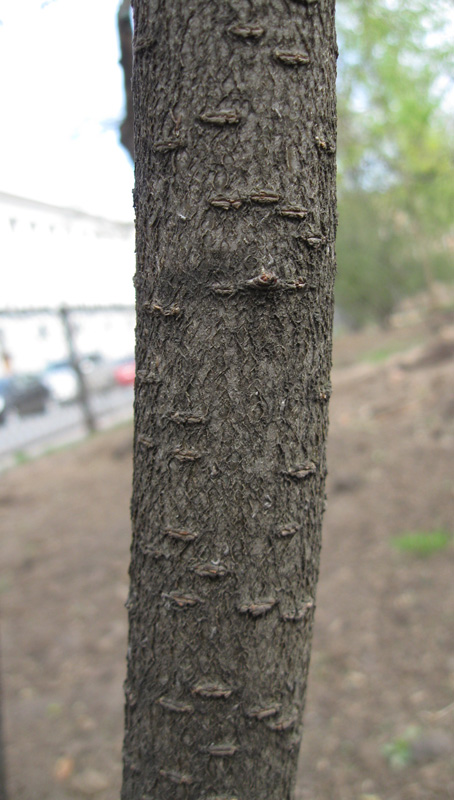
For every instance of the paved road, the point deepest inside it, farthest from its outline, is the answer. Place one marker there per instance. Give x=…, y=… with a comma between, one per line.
x=60, y=424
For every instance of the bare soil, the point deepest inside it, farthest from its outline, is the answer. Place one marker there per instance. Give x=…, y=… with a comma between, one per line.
x=382, y=676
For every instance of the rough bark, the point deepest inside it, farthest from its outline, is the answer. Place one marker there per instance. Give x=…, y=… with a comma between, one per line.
x=235, y=206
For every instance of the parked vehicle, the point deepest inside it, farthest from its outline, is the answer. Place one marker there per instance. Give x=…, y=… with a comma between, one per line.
x=22, y=394
x=61, y=379
x=125, y=372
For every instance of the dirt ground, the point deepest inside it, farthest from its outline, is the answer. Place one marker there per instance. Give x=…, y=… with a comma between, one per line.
x=379, y=721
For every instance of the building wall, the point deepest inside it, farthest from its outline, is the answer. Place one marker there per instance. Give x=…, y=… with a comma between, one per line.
x=50, y=257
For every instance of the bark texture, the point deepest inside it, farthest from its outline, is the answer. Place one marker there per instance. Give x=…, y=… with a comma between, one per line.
x=235, y=205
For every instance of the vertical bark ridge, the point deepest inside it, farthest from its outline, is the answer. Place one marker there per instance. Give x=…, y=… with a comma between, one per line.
x=235, y=205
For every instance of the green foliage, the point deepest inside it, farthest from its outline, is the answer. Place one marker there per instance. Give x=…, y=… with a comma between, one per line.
x=381, y=354
x=21, y=457
x=398, y=752
x=375, y=263
x=395, y=152
x=422, y=543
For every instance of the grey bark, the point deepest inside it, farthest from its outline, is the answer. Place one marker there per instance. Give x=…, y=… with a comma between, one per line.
x=235, y=206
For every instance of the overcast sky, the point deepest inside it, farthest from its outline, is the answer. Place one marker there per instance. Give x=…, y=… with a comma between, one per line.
x=61, y=102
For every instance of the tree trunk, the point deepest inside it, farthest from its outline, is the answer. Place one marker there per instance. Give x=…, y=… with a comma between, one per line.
x=235, y=205
x=125, y=41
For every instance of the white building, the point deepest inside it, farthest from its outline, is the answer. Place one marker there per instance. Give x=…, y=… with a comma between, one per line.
x=50, y=257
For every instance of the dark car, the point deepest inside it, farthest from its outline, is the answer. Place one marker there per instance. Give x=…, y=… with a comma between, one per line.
x=22, y=394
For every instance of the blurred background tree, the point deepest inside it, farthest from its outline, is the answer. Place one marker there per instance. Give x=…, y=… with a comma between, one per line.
x=395, y=153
